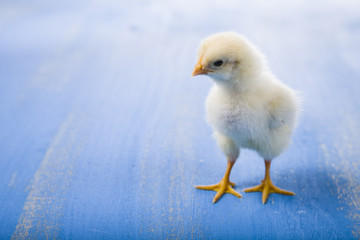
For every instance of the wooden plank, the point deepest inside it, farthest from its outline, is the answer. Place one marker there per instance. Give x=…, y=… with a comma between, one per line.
x=103, y=133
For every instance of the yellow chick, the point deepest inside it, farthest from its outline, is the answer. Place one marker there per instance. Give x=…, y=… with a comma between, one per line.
x=247, y=107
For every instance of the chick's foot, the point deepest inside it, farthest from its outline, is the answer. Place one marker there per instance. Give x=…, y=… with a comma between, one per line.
x=224, y=186
x=267, y=187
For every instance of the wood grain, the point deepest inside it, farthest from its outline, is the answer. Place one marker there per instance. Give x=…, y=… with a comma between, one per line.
x=103, y=134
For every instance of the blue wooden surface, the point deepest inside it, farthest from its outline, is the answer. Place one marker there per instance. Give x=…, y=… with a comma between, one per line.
x=102, y=130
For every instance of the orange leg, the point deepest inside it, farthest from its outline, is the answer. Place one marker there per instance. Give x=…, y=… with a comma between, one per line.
x=266, y=186
x=224, y=186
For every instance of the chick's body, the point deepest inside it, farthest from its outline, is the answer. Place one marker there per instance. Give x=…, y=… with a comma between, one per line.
x=247, y=107
x=261, y=119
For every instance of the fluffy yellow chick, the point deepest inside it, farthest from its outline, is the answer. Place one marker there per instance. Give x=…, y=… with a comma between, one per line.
x=247, y=107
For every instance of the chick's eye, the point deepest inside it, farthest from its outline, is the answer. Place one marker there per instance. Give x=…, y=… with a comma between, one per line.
x=218, y=63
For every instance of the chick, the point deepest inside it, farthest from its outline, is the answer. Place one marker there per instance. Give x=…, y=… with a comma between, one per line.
x=247, y=107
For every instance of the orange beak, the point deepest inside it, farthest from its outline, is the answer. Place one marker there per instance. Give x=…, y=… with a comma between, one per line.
x=199, y=69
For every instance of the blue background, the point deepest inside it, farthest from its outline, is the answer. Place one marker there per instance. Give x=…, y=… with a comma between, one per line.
x=103, y=135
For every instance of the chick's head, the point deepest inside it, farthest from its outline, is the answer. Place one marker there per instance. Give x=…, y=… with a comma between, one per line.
x=228, y=58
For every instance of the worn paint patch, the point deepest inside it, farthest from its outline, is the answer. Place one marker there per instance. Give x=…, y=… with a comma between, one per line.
x=343, y=166
x=43, y=208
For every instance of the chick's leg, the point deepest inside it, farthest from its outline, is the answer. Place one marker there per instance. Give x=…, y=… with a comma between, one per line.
x=224, y=186
x=266, y=186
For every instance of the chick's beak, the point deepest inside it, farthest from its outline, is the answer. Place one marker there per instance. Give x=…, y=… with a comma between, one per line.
x=198, y=70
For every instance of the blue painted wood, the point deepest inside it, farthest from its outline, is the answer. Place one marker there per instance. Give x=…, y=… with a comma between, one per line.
x=103, y=133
